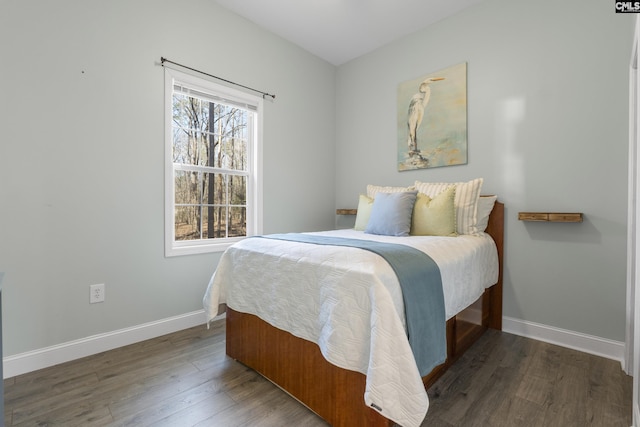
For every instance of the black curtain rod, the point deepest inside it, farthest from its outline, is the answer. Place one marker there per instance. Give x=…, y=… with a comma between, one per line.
x=163, y=60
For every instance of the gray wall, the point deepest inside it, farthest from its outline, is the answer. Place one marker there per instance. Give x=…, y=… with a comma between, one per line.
x=82, y=152
x=547, y=129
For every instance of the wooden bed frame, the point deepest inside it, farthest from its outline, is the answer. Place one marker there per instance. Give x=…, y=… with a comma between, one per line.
x=336, y=394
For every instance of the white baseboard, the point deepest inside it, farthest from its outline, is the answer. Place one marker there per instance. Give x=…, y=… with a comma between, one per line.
x=65, y=352
x=33, y=360
x=575, y=340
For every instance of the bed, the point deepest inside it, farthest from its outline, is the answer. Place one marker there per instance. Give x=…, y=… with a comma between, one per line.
x=343, y=351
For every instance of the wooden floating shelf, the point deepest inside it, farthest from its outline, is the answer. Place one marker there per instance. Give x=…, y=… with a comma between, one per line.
x=550, y=216
x=346, y=211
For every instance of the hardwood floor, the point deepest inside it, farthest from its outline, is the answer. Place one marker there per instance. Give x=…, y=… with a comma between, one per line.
x=507, y=380
x=185, y=379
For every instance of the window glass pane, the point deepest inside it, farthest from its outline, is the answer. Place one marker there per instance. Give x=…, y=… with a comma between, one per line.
x=180, y=145
x=207, y=188
x=179, y=116
x=237, y=222
x=230, y=126
x=214, y=189
x=210, y=143
x=208, y=216
x=188, y=187
x=241, y=131
x=235, y=154
x=191, y=143
x=206, y=108
x=238, y=190
x=200, y=154
x=187, y=223
x=216, y=222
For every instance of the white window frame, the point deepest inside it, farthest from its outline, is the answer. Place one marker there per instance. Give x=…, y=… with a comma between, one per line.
x=254, y=161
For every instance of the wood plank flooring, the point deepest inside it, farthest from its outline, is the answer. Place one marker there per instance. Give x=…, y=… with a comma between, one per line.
x=185, y=379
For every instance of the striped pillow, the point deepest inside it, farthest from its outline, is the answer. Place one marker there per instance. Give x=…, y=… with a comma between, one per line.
x=466, y=201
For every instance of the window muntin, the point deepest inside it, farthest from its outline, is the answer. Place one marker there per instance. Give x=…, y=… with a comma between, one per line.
x=212, y=154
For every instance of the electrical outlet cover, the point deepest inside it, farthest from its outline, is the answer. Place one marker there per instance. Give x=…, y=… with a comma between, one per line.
x=96, y=293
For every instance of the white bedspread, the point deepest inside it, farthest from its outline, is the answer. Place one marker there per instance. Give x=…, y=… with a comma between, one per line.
x=349, y=302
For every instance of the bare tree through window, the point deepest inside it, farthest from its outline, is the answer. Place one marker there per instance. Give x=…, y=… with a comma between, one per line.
x=210, y=168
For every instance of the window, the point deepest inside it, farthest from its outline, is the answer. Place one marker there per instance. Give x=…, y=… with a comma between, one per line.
x=212, y=174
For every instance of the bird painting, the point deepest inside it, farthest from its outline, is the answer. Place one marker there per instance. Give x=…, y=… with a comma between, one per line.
x=417, y=105
x=432, y=119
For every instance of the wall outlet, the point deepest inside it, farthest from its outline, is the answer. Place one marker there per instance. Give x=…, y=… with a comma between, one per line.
x=96, y=293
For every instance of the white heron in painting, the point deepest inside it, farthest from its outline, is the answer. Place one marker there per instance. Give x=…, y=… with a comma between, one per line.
x=416, y=112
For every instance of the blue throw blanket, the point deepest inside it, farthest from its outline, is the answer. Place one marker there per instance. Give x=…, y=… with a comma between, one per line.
x=421, y=283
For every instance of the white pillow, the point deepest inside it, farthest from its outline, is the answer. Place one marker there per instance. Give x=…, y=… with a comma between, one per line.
x=373, y=189
x=466, y=201
x=485, y=206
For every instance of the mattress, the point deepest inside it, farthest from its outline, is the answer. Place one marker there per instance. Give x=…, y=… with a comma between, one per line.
x=349, y=302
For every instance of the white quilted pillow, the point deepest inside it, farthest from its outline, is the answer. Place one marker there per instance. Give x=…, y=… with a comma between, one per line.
x=465, y=202
x=373, y=189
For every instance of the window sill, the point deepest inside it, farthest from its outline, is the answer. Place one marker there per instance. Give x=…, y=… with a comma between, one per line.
x=193, y=249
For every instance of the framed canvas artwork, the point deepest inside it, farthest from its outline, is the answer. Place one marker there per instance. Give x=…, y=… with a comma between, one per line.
x=432, y=120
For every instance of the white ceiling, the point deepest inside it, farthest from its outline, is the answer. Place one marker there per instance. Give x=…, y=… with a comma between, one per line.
x=340, y=30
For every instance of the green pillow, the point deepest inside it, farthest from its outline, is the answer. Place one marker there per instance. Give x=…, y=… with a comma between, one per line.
x=364, y=212
x=435, y=217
